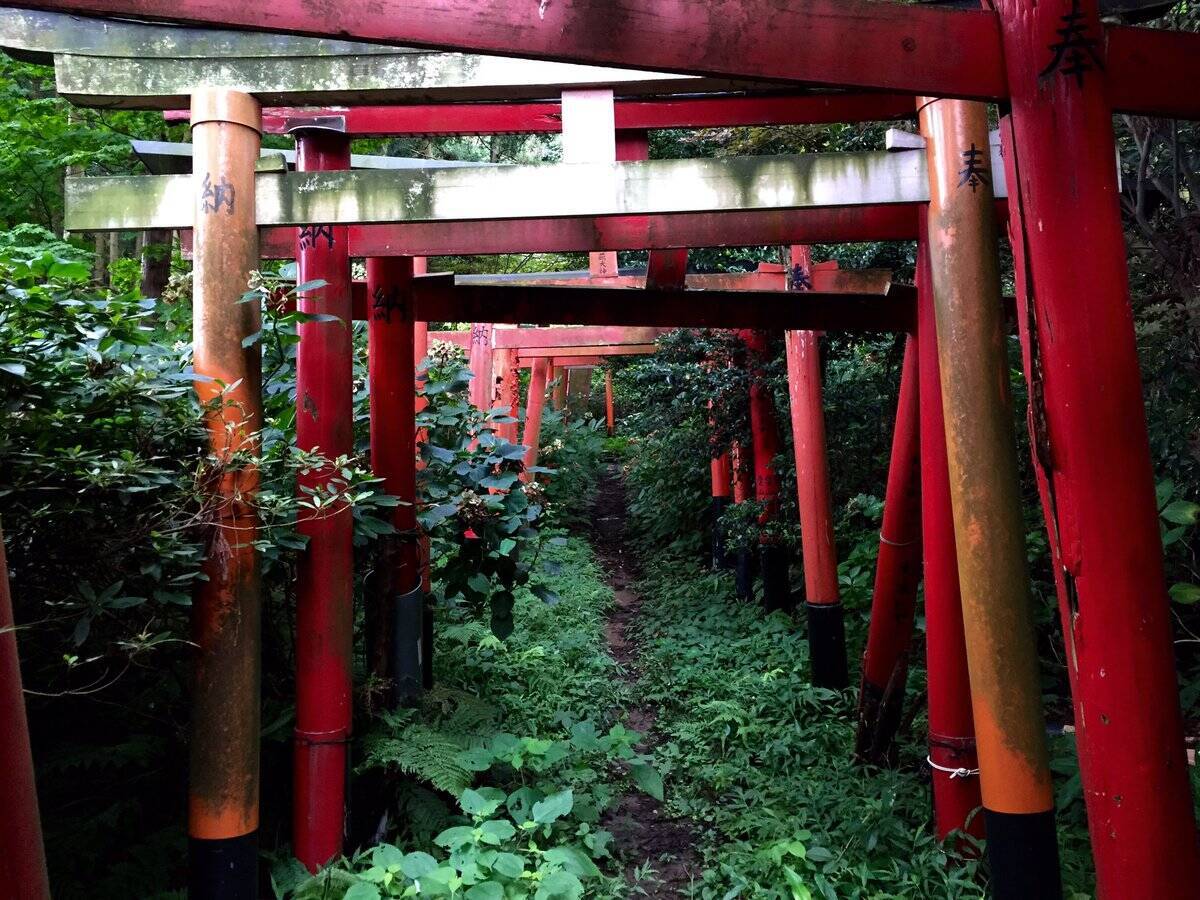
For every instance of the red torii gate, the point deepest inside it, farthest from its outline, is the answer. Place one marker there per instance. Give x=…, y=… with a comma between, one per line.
x=1063, y=73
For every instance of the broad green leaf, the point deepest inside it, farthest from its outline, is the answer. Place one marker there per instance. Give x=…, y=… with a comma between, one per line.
x=559, y=885
x=1185, y=592
x=1182, y=512
x=453, y=838
x=508, y=865
x=573, y=860
x=496, y=831
x=386, y=855
x=362, y=891
x=648, y=780
x=417, y=865
x=482, y=802
x=486, y=890
x=553, y=807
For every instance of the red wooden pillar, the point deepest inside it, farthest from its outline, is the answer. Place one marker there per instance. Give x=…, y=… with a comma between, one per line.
x=1091, y=450
x=22, y=855
x=324, y=590
x=558, y=397
x=897, y=572
x=480, y=361
x=534, y=406
x=610, y=415
x=223, y=791
x=823, y=604
x=508, y=391
x=420, y=351
x=742, y=461
x=953, y=761
x=764, y=429
x=721, y=475
x=399, y=599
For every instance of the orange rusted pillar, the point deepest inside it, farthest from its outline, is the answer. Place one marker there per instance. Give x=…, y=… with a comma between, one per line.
x=823, y=603
x=533, y=411
x=22, y=854
x=325, y=575
x=223, y=793
x=1018, y=796
x=609, y=411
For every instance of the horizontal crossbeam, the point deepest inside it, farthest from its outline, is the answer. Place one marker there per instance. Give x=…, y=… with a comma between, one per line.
x=656, y=187
x=911, y=48
x=438, y=300
x=632, y=115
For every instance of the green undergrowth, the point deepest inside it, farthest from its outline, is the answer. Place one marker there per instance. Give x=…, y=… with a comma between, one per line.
x=762, y=760
x=504, y=772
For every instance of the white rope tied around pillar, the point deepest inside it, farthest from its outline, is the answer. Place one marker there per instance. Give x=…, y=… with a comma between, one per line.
x=954, y=773
x=895, y=543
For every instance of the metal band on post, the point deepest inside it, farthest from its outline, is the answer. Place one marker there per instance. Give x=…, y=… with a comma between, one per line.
x=224, y=783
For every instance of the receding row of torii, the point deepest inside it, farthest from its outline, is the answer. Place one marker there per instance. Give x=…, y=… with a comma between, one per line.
x=1058, y=73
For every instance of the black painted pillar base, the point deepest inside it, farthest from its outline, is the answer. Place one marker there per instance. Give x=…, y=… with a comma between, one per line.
x=1022, y=850
x=720, y=556
x=777, y=588
x=827, y=645
x=223, y=869
x=427, y=643
x=743, y=575
x=408, y=639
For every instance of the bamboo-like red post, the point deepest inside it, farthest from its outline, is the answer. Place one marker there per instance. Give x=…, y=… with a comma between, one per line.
x=508, y=385
x=325, y=580
x=953, y=762
x=397, y=595
x=22, y=853
x=1091, y=450
x=764, y=430
x=610, y=414
x=741, y=458
x=897, y=573
x=534, y=405
x=823, y=603
x=558, y=397
x=480, y=361
x=989, y=529
x=721, y=477
x=223, y=814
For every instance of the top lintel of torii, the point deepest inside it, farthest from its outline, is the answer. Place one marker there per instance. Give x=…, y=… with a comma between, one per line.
x=110, y=63
x=928, y=50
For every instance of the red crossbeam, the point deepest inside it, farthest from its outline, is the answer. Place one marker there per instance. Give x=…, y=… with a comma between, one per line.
x=741, y=229
x=840, y=43
x=529, y=118
x=438, y=300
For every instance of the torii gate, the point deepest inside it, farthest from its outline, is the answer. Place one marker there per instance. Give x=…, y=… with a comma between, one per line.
x=1064, y=73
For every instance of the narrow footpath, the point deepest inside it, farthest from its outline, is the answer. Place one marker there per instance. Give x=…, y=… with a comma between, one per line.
x=660, y=852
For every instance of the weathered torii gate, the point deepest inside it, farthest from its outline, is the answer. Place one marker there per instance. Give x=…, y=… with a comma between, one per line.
x=1063, y=73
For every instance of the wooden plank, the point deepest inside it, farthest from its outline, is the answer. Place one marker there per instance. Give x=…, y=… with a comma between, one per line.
x=656, y=187
x=848, y=43
x=909, y=48
x=156, y=83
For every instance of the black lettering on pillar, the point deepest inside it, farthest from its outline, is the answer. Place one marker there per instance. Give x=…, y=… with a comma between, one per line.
x=310, y=234
x=214, y=196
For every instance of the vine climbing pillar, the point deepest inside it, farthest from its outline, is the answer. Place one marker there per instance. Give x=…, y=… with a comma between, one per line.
x=1018, y=797
x=953, y=762
x=534, y=406
x=223, y=794
x=610, y=414
x=823, y=603
x=1091, y=450
x=325, y=580
x=558, y=397
x=897, y=572
x=22, y=853
x=397, y=598
x=764, y=429
x=741, y=457
x=508, y=390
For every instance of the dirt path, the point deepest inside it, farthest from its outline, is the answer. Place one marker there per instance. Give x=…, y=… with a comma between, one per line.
x=645, y=835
